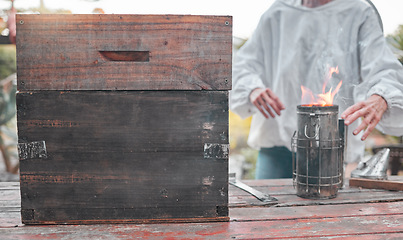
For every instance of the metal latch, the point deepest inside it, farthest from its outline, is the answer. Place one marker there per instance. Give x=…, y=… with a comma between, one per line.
x=216, y=150
x=32, y=150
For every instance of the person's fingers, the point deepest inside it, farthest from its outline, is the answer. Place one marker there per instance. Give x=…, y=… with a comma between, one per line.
x=276, y=100
x=371, y=112
x=348, y=112
x=266, y=102
x=361, y=127
x=369, y=129
x=354, y=112
x=370, y=121
x=255, y=94
x=263, y=102
x=366, y=121
x=272, y=104
x=375, y=104
x=354, y=116
x=256, y=103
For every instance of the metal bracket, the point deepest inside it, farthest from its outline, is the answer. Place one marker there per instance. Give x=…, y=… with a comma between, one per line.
x=216, y=150
x=32, y=150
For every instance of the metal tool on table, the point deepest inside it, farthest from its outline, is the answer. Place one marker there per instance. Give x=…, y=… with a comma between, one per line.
x=259, y=195
x=372, y=173
x=373, y=168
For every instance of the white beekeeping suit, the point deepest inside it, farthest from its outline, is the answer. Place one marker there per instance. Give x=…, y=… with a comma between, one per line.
x=294, y=45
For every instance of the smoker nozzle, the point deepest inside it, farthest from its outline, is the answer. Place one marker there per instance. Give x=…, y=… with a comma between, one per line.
x=373, y=168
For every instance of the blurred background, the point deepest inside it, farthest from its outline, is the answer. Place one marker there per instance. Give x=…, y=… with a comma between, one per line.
x=245, y=18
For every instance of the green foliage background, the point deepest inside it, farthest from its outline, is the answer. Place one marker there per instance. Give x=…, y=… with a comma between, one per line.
x=8, y=63
x=396, y=40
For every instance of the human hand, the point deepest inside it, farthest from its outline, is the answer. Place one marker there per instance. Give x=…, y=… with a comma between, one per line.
x=266, y=101
x=371, y=110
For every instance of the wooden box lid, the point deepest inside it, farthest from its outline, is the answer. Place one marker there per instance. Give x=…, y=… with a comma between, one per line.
x=124, y=52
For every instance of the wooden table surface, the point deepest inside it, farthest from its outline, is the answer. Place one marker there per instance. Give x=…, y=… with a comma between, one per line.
x=354, y=214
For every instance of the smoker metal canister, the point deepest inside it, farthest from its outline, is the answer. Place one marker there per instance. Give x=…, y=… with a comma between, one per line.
x=318, y=147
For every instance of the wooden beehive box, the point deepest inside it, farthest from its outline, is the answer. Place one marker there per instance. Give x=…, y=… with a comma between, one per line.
x=123, y=118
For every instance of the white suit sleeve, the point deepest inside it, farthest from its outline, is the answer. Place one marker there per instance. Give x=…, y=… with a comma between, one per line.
x=247, y=74
x=381, y=73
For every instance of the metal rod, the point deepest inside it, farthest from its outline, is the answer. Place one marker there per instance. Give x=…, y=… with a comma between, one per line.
x=259, y=195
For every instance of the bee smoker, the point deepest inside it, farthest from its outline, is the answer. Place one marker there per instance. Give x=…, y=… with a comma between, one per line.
x=318, y=152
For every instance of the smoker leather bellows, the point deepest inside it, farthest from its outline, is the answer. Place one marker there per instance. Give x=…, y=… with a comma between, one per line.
x=318, y=149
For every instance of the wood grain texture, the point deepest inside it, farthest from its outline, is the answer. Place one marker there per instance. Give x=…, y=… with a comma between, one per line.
x=377, y=184
x=123, y=156
x=319, y=219
x=315, y=211
x=283, y=190
x=181, y=52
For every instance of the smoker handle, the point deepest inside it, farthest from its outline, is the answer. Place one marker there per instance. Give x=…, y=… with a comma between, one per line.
x=317, y=128
x=126, y=56
x=343, y=130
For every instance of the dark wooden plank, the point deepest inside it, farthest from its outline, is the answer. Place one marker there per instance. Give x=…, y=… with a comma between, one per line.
x=315, y=212
x=163, y=180
x=323, y=228
x=319, y=228
x=283, y=190
x=124, y=155
x=123, y=121
x=289, y=190
x=93, y=52
x=366, y=221
x=364, y=227
x=78, y=216
x=351, y=198
x=376, y=184
x=370, y=236
x=287, y=197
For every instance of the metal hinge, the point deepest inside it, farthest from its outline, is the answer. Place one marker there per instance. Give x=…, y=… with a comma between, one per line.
x=32, y=150
x=216, y=150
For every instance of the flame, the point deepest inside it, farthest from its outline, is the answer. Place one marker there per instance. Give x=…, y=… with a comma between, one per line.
x=307, y=95
x=329, y=76
x=325, y=98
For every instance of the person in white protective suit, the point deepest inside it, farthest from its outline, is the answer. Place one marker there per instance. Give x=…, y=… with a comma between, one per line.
x=297, y=43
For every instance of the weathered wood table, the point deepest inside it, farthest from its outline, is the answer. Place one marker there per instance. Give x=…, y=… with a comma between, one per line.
x=355, y=214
